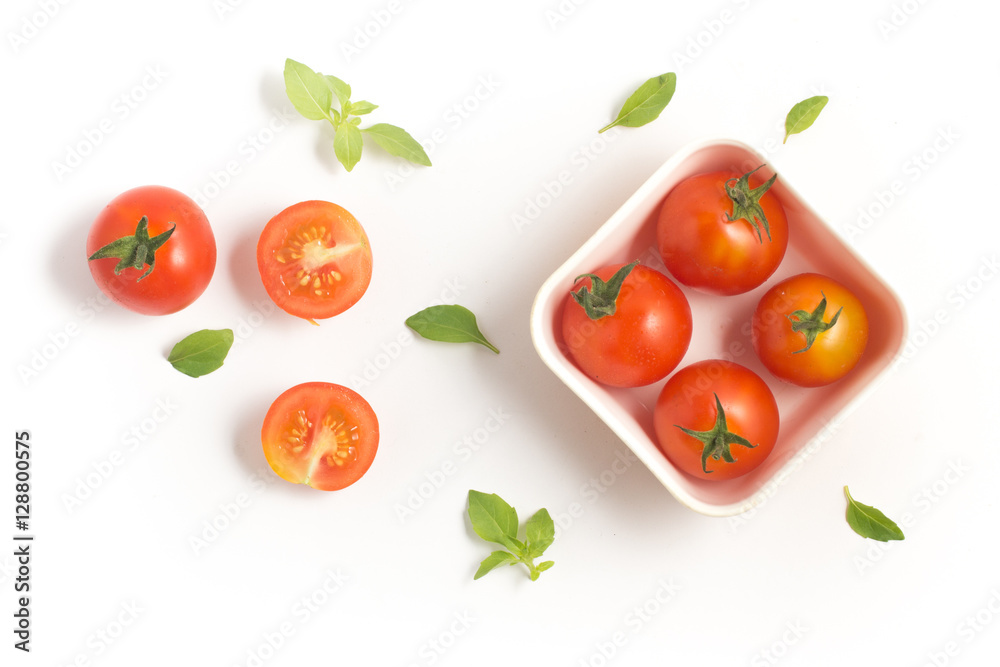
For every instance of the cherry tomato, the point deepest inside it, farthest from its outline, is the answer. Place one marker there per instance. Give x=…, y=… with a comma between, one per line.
x=810, y=330
x=315, y=260
x=320, y=434
x=641, y=339
x=152, y=250
x=716, y=420
x=719, y=235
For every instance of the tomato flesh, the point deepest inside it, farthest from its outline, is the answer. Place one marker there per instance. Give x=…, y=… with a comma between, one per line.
x=320, y=434
x=314, y=259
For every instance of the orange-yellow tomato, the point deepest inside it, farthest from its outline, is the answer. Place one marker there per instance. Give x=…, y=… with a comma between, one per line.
x=810, y=330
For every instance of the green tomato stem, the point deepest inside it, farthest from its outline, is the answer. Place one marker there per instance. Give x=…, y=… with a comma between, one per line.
x=746, y=202
x=811, y=324
x=533, y=572
x=601, y=299
x=717, y=441
x=135, y=251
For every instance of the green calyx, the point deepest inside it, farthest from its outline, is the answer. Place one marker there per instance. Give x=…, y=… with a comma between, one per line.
x=602, y=297
x=717, y=440
x=812, y=324
x=746, y=202
x=135, y=251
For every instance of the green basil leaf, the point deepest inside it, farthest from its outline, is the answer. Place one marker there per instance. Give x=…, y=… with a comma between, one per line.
x=307, y=91
x=340, y=89
x=397, y=141
x=202, y=352
x=647, y=102
x=541, y=532
x=545, y=566
x=448, y=324
x=347, y=144
x=493, y=519
x=869, y=522
x=493, y=561
x=361, y=108
x=803, y=115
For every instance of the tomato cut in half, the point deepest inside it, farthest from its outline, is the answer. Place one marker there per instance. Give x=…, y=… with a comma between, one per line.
x=314, y=259
x=321, y=434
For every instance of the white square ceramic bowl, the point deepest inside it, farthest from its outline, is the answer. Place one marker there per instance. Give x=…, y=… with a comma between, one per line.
x=721, y=330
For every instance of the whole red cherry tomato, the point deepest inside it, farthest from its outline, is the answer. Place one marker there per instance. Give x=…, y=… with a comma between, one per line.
x=716, y=420
x=152, y=250
x=719, y=235
x=626, y=325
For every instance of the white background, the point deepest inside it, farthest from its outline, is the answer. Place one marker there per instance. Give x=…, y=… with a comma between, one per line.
x=790, y=579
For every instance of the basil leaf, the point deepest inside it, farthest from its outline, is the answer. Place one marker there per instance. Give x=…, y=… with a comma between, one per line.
x=361, y=108
x=869, y=522
x=541, y=532
x=347, y=144
x=493, y=561
x=340, y=89
x=544, y=566
x=397, y=141
x=448, y=324
x=307, y=91
x=493, y=519
x=202, y=352
x=803, y=115
x=647, y=102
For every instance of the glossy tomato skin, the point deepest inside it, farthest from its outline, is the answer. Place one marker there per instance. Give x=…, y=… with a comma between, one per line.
x=688, y=400
x=320, y=434
x=833, y=353
x=642, y=341
x=315, y=260
x=184, y=265
x=704, y=250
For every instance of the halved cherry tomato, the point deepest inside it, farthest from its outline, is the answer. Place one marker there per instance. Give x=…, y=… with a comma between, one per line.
x=320, y=434
x=719, y=235
x=716, y=420
x=315, y=260
x=642, y=328
x=810, y=330
x=152, y=250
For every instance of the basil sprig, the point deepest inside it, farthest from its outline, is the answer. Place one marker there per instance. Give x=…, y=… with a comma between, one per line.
x=496, y=521
x=313, y=94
